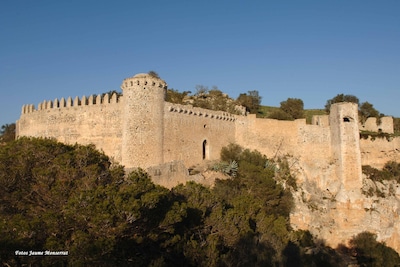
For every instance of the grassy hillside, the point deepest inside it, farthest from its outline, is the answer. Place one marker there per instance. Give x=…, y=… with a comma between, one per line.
x=264, y=112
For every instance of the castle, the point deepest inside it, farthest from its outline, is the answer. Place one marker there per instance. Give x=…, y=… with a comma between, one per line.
x=141, y=129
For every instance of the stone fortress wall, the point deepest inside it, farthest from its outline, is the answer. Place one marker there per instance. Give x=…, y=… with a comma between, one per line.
x=89, y=120
x=140, y=129
x=128, y=131
x=195, y=134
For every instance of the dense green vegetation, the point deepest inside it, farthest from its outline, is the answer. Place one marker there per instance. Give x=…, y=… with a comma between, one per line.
x=369, y=252
x=251, y=101
x=71, y=198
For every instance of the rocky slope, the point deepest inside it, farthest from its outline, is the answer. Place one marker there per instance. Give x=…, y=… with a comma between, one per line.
x=335, y=219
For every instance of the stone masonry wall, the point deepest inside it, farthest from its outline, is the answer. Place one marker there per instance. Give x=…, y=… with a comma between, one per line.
x=85, y=121
x=377, y=151
x=270, y=137
x=308, y=145
x=385, y=125
x=195, y=134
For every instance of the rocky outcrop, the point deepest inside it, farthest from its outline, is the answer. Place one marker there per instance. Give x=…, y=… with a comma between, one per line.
x=336, y=218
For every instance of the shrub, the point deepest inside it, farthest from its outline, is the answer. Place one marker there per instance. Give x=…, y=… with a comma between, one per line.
x=370, y=252
x=280, y=115
x=391, y=171
x=294, y=107
x=232, y=152
x=340, y=98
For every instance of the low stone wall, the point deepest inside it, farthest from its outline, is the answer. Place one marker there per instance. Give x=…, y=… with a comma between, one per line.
x=379, y=150
x=371, y=124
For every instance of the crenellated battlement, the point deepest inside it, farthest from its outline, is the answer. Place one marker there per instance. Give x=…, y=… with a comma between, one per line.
x=134, y=81
x=200, y=112
x=143, y=79
x=67, y=103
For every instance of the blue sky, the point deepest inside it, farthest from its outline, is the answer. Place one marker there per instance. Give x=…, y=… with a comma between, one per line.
x=311, y=50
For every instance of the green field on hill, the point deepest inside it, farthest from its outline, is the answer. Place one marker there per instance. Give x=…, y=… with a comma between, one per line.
x=264, y=112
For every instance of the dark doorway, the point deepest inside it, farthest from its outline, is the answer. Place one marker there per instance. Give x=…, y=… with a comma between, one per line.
x=205, y=149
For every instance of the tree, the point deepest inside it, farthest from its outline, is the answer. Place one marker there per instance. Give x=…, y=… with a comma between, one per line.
x=250, y=101
x=291, y=109
x=71, y=198
x=367, y=110
x=370, y=252
x=154, y=74
x=174, y=96
x=38, y=177
x=7, y=133
x=341, y=98
x=252, y=211
x=294, y=107
x=279, y=114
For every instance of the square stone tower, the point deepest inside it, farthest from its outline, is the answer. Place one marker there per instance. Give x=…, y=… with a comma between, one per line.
x=345, y=142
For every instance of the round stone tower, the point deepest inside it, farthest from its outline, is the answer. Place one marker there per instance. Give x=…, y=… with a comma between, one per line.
x=143, y=122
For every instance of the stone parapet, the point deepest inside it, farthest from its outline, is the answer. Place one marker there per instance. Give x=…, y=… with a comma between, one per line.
x=384, y=125
x=62, y=103
x=201, y=112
